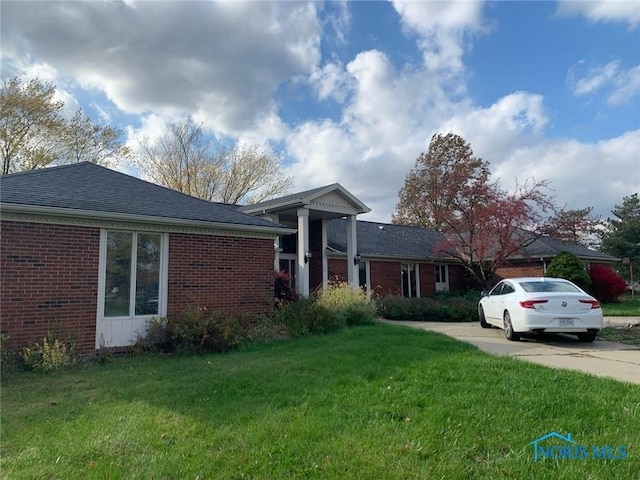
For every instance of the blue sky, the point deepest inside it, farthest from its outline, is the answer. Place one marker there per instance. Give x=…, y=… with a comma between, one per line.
x=351, y=92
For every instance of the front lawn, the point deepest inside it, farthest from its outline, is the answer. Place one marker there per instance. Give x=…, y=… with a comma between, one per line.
x=623, y=307
x=375, y=402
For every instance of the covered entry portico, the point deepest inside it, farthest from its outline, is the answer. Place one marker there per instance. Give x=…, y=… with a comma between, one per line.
x=309, y=212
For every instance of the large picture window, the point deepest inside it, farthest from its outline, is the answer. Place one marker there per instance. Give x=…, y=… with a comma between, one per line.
x=132, y=280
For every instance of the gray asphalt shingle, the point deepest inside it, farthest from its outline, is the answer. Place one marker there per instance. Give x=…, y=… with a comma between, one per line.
x=89, y=187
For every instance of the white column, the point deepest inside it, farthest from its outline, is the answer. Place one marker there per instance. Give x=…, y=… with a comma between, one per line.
x=276, y=245
x=302, y=280
x=352, y=250
x=325, y=262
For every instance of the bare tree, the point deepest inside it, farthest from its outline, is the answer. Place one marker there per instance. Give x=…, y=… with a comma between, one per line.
x=574, y=226
x=82, y=140
x=187, y=159
x=250, y=175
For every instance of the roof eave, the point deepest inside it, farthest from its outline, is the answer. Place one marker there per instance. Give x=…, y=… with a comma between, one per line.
x=142, y=219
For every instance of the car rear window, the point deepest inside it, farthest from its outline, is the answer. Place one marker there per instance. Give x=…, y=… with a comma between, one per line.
x=541, y=286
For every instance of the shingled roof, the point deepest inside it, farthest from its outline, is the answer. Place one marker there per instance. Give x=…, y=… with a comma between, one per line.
x=547, y=247
x=384, y=239
x=86, y=189
x=403, y=241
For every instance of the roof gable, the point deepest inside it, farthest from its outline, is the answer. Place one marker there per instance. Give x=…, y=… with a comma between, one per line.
x=331, y=198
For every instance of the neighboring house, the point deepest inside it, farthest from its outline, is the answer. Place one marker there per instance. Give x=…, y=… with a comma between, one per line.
x=533, y=260
x=96, y=253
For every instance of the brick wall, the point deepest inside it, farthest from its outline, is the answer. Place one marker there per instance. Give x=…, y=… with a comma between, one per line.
x=231, y=274
x=48, y=280
x=534, y=269
x=385, y=277
x=427, y=280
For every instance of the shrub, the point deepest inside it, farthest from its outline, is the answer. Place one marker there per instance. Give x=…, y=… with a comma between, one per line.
x=52, y=354
x=195, y=330
x=283, y=293
x=335, y=307
x=306, y=316
x=5, y=354
x=566, y=265
x=606, y=285
x=352, y=305
x=449, y=307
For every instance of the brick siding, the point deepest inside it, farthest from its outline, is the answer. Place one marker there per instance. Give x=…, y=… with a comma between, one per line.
x=231, y=274
x=48, y=281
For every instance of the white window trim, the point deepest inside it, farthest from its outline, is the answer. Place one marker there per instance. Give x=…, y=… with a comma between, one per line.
x=417, y=270
x=441, y=283
x=102, y=275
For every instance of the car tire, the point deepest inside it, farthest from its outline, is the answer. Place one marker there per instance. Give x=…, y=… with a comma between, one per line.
x=483, y=320
x=587, y=337
x=508, y=329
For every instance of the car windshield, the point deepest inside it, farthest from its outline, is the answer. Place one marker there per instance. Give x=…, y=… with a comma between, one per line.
x=546, y=286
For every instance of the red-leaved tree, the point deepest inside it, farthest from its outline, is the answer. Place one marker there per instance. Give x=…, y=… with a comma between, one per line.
x=606, y=285
x=449, y=190
x=499, y=226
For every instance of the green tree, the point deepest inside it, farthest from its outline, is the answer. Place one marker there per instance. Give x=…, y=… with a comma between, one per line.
x=30, y=118
x=566, y=265
x=622, y=235
x=34, y=134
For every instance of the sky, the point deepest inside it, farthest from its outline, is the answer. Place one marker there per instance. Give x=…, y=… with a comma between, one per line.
x=352, y=92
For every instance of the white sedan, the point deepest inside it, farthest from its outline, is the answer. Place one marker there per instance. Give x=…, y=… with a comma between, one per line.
x=524, y=305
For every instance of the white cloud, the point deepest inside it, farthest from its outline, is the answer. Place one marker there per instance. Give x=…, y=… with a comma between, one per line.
x=625, y=11
x=330, y=81
x=227, y=58
x=441, y=28
x=596, y=79
x=621, y=85
x=627, y=86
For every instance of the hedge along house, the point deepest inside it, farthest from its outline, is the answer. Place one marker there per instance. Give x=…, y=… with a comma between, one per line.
x=96, y=253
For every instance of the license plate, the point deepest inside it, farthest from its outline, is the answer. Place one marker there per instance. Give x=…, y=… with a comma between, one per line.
x=565, y=322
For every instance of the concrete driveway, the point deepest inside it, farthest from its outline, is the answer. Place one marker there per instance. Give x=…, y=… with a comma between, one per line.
x=605, y=359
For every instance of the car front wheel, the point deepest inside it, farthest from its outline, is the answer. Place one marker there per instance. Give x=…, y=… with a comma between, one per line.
x=508, y=329
x=483, y=320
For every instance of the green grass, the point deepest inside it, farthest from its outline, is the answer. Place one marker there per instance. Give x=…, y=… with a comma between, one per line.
x=376, y=402
x=624, y=307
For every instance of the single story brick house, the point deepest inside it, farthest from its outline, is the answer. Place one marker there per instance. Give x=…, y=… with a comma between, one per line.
x=98, y=253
